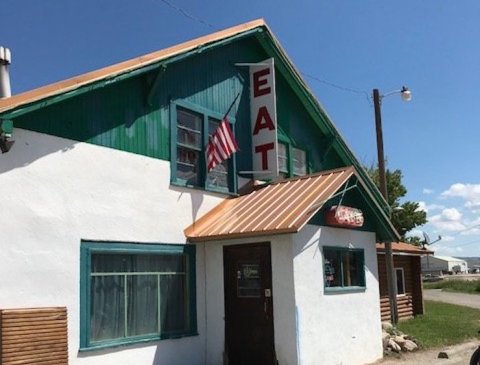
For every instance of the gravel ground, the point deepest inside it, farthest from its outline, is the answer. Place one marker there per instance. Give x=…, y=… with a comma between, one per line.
x=458, y=355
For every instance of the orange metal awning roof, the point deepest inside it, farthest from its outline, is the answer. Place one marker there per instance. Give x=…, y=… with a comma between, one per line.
x=282, y=207
x=403, y=247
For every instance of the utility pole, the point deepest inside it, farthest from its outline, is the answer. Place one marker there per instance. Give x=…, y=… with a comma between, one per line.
x=392, y=288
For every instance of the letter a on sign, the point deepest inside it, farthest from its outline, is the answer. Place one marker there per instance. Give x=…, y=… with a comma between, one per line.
x=264, y=120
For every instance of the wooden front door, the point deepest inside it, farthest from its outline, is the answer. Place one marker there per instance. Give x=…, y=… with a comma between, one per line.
x=248, y=304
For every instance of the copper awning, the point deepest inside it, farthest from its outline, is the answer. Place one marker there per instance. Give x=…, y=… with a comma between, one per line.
x=404, y=247
x=282, y=207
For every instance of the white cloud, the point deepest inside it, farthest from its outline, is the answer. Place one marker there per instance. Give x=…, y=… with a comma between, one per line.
x=452, y=214
x=448, y=238
x=428, y=191
x=468, y=192
x=428, y=207
x=422, y=206
x=448, y=220
x=415, y=233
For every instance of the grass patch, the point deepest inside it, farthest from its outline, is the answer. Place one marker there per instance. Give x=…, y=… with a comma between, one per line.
x=462, y=286
x=442, y=325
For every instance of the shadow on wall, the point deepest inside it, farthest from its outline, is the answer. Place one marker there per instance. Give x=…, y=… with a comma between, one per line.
x=31, y=146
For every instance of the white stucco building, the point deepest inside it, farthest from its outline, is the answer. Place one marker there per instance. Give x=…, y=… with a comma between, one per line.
x=108, y=211
x=444, y=264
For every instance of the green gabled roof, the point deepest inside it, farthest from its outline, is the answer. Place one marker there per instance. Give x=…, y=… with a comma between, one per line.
x=26, y=102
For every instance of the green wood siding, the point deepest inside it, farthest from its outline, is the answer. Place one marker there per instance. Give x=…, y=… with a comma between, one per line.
x=133, y=115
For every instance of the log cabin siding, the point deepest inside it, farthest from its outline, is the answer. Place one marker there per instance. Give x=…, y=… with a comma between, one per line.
x=35, y=336
x=411, y=303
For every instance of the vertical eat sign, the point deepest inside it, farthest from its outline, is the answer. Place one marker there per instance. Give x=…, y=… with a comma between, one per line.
x=264, y=120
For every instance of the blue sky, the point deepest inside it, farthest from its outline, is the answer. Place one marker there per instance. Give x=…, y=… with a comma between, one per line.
x=431, y=46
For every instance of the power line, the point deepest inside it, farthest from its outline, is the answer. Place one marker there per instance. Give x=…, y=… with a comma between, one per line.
x=186, y=14
x=339, y=87
x=328, y=83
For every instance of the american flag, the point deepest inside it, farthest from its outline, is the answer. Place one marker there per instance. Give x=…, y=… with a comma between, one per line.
x=221, y=145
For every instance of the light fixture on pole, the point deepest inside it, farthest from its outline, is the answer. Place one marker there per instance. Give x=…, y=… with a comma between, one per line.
x=377, y=101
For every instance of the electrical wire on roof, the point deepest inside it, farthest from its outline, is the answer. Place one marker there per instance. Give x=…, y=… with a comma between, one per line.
x=343, y=88
x=328, y=83
x=186, y=14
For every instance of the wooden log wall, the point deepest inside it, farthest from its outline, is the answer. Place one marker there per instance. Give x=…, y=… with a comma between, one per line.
x=404, y=304
x=413, y=286
x=35, y=336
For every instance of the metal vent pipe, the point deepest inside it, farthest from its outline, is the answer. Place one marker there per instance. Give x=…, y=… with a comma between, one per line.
x=5, y=61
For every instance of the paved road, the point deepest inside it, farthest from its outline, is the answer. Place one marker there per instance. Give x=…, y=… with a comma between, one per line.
x=469, y=300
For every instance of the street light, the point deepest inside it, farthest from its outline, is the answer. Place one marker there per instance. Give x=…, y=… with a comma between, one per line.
x=377, y=101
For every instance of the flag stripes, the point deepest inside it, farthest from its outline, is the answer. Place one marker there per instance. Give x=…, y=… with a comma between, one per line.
x=221, y=145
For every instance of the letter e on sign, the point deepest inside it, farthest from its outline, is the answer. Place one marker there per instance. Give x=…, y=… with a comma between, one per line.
x=263, y=113
x=259, y=80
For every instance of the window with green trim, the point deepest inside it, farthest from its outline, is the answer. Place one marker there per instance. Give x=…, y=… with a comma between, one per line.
x=344, y=267
x=135, y=293
x=292, y=161
x=193, y=126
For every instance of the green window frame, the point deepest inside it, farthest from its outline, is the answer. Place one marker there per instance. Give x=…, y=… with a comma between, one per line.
x=290, y=162
x=191, y=126
x=344, y=268
x=132, y=293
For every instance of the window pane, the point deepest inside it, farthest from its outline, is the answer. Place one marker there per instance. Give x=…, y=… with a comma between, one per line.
x=142, y=305
x=189, y=129
x=174, y=303
x=299, y=162
x=188, y=165
x=344, y=267
x=282, y=158
x=107, y=319
x=133, y=296
x=159, y=263
x=351, y=273
x=400, y=281
x=111, y=263
x=108, y=263
x=218, y=177
x=333, y=273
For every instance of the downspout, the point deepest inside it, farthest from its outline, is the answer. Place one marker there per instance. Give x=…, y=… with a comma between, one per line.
x=5, y=92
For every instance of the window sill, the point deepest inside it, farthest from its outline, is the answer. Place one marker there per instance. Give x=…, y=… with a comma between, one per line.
x=134, y=341
x=350, y=289
x=208, y=190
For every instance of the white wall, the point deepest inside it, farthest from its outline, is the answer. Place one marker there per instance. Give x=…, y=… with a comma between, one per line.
x=282, y=294
x=432, y=263
x=55, y=192
x=335, y=328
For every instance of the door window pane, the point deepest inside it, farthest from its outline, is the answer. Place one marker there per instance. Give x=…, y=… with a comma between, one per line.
x=249, y=283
